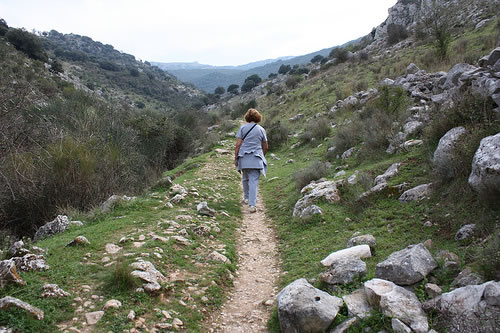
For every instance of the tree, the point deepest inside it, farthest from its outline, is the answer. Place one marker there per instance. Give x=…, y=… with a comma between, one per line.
x=219, y=90
x=439, y=22
x=255, y=78
x=317, y=58
x=233, y=89
x=284, y=69
x=56, y=67
x=26, y=43
x=339, y=53
x=251, y=82
x=3, y=27
x=396, y=33
x=248, y=86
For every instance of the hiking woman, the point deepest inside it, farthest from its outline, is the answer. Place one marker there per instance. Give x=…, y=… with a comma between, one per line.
x=251, y=147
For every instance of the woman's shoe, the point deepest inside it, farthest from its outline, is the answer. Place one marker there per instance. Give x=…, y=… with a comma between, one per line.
x=244, y=201
x=253, y=209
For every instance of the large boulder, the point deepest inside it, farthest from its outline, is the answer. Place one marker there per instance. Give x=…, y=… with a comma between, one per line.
x=397, y=302
x=444, y=153
x=344, y=271
x=389, y=173
x=407, y=266
x=452, y=78
x=303, y=308
x=359, y=251
x=468, y=309
x=8, y=273
x=147, y=272
x=8, y=302
x=416, y=194
x=59, y=224
x=357, y=304
x=203, y=209
x=485, y=175
x=363, y=239
x=490, y=59
x=314, y=191
x=31, y=262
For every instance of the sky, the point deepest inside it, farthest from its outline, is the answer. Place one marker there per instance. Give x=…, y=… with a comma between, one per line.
x=214, y=32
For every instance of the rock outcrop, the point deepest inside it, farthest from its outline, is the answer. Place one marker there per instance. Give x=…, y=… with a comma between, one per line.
x=407, y=266
x=59, y=224
x=485, y=174
x=472, y=308
x=314, y=191
x=303, y=308
x=397, y=302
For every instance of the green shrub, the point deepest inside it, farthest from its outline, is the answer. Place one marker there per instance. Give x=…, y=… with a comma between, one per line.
x=489, y=258
x=26, y=42
x=396, y=33
x=315, y=171
x=393, y=100
x=121, y=278
x=277, y=134
x=242, y=108
x=316, y=129
x=293, y=81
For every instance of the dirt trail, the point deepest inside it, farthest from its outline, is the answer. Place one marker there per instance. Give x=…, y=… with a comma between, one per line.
x=250, y=304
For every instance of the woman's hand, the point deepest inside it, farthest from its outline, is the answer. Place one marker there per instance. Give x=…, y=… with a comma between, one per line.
x=236, y=163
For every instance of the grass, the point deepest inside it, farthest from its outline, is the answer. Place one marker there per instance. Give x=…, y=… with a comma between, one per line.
x=214, y=179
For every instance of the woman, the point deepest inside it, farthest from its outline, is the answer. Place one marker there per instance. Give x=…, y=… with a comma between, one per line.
x=251, y=147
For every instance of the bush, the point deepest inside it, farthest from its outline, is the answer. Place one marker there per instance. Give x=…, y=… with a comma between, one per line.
x=317, y=129
x=27, y=43
x=284, y=69
x=317, y=58
x=305, y=176
x=3, y=27
x=293, y=81
x=339, y=53
x=233, y=89
x=489, y=258
x=219, y=90
x=396, y=33
x=242, y=108
x=121, y=278
x=277, y=134
x=393, y=100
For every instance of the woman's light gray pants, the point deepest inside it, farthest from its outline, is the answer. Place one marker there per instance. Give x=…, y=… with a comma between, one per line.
x=250, y=180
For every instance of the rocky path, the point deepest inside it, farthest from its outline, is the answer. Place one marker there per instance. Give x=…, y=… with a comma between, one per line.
x=249, y=305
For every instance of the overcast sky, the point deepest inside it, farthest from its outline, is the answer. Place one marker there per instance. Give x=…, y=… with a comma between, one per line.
x=215, y=32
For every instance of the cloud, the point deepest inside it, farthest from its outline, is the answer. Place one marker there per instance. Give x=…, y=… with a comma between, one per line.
x=221, y=32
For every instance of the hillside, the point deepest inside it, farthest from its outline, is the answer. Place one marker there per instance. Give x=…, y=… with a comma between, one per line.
x=381, y=198
x=208, y=79
x=70, y=103
x=106, y=71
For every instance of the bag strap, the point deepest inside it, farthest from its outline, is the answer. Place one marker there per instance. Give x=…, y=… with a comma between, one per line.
x=243, y=139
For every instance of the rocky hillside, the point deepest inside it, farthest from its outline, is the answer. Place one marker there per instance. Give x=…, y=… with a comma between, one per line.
x=382, y=185
x=70, y=103
x=97, y=67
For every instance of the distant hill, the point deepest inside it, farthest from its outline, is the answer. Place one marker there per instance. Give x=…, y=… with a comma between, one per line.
x=112, y=73
x=208, y=77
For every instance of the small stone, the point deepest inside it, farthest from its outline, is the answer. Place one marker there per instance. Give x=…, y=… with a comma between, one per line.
x=433, y=290
x=93, y=317
x=112, y=248
x=112, y=304
x=131, y=315
x=166, y=314
x=105, y=259
x=177, y=322
x=428, y=224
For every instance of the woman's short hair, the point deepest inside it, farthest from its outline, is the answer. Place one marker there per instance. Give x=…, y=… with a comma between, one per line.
x=253, y=115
